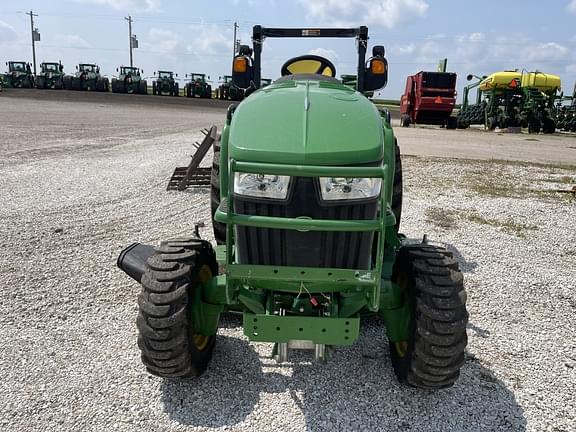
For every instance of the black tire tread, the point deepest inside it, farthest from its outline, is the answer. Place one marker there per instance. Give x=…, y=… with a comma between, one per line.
x=438, y=334
x=164, y=320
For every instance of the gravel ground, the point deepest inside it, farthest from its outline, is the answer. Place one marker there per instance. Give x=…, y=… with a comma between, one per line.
x=74, y=196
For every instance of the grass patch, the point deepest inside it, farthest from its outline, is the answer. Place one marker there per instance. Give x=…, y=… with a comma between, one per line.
x=448, y=219
x=443, y=218
x=508, y=226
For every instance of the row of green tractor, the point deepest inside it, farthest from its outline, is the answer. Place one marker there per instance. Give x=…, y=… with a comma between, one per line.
x=88, y=77
x=52, y=76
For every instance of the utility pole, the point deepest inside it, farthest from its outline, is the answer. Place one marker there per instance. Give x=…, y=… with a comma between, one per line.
x=129, y=19
x=35, y=37
x=235, y=44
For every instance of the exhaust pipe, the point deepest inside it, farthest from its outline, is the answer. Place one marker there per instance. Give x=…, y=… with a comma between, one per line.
x=132, y=260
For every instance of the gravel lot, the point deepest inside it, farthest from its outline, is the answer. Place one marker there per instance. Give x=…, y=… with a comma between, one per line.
x=79, y=181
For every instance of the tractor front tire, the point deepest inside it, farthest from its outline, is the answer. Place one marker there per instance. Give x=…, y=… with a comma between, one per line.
x=169, y=346
x=432, y=356
x=405, y=121
x=219, y=228
x=548, y=126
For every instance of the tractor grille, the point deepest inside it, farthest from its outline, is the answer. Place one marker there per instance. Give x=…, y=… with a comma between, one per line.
x=264, y=246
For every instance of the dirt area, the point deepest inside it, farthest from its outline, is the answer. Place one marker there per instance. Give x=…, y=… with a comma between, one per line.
x=84, y=175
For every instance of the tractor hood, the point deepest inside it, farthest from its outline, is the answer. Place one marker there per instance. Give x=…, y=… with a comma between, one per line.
x=308, y=123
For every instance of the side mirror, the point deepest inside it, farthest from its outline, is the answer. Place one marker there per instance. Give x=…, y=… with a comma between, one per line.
x=176, y=74
x=76, y=67
x=208, y=76
x=154, y=73
x=141, y=70
x=376, y=74
x=469, y=77
x=116, y=69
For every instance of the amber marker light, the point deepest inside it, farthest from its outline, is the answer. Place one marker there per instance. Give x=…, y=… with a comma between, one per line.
x=240, y=64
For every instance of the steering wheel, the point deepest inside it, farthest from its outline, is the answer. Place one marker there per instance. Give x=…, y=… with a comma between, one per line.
x=309, y=64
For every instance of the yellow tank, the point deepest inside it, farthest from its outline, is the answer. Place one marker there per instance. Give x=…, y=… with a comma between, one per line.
x=500, y=80
x=541, y=81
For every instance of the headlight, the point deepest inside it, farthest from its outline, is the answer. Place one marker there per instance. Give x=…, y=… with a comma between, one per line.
x=261, y=185
x=342, y=188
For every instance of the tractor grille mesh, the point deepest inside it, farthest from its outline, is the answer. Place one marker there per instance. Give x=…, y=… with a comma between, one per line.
x=264, y=246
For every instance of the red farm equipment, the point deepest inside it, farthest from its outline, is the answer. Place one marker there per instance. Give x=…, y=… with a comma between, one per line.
x=429, y=98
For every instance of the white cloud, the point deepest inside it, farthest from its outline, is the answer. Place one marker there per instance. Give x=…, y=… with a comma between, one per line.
x=571, y=7
x=7, y=33
x=211, y=39
x=386, y=13
x=70, y=41
x=472, y=51
x=326, y=53
x=163, y=41
x=127, y=5
x=545, y=52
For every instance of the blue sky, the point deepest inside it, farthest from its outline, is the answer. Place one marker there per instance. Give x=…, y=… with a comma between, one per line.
x=196, y=36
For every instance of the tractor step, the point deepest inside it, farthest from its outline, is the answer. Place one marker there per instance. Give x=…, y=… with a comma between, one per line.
x=193, y=174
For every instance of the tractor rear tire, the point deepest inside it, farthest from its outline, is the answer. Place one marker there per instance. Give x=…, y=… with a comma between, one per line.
x=219, y=228
x=40, y=82
x=534, y=126
x=405, y=121
x=397, y=188
x=169, y=346
x=432, y=356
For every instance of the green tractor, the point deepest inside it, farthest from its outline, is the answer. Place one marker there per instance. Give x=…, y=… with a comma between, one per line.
x=129, y=81
x=51, y=76
x=19, y=75
x=165, y=83
x=228, y=91
x=87, y=78
x=198, y=86
x=306, y=202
